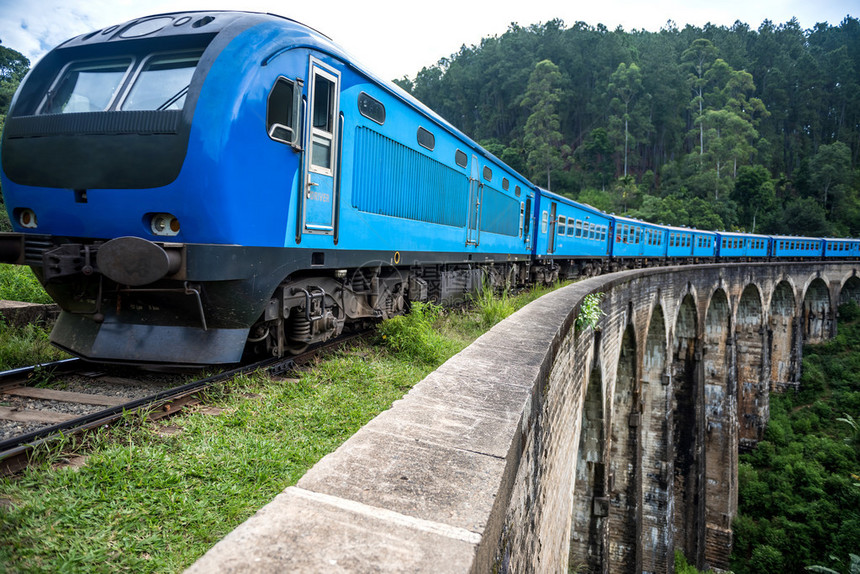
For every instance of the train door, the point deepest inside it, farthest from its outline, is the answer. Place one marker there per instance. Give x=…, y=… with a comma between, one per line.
x=527, y=229
x=321, y=145
x=476, y=188
x=550, y=241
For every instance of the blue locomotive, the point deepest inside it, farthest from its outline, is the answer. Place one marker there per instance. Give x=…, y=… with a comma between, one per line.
x=192, y=186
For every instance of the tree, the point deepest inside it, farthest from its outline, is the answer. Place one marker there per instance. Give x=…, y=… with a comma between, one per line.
x=729, y=137
x=625, y=85
x=543, y=140
x=700, y=56
x=830, y=171
x=13, y=67
x=754, y=193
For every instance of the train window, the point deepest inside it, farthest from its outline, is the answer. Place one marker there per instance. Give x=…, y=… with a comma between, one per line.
x=426, y=139
x=638, y=235
x=544, y=220
x=562, y=229
x=506, y=185
x=488, y=173
x=570, y=229
x=86, y=87
x=371, y=108
x=518, y=191
x=282, y=111
x=461, y=158
x=162, y=83
x=324, y=97
x=591, y=230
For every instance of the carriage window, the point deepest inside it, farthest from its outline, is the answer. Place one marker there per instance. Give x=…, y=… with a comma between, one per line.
x=426, y=139
x=371, y=108
x=517, y=191
x=570, y=230
x=162, y=83
x=561, y=225
x=638, y=234
x=461, y=158
x=324, y=105
x=282, y=111
x=543, y=222
x=506, y=184
x=86, y=87
x=488, y=173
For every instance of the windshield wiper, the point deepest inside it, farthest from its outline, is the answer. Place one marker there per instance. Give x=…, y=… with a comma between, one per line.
x=173, y=99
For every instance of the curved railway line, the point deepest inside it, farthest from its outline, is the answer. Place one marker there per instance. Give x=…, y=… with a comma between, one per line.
x=40, y=402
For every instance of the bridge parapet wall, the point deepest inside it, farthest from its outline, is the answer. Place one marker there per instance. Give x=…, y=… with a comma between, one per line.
x=542, y=448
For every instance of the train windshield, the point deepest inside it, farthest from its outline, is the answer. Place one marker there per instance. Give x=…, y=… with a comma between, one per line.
x=162, y=83
x=86, y=87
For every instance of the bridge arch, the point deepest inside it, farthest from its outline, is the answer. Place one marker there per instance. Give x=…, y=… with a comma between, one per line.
x=588, y=531
x=624, y=460
x=850, y=290
x=783, y=336
x=685, y=429
x=752, y=396
x=656, y=426
x=817, y=318
x=720, y=421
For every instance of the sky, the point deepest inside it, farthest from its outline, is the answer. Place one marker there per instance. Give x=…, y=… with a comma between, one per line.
x=396, y=38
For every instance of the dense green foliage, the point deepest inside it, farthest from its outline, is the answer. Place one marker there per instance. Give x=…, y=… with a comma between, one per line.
x=799, y=495
x=19, y=284
x=712, y=127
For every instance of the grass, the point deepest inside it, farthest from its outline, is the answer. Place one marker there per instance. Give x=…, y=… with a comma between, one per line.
x=27, y=345
x=148, y=501
x=17, y=283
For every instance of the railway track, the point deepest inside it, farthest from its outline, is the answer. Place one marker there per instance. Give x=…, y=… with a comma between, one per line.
x=39, y=402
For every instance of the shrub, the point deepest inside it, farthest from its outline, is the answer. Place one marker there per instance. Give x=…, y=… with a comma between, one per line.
x=413, y=338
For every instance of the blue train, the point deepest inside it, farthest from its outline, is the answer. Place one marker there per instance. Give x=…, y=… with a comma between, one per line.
x=193, y=186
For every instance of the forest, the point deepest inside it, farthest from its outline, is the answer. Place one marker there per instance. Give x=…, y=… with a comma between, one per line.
x=718, y=128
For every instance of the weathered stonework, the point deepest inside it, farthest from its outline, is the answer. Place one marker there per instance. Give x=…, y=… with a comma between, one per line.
x=541, y=448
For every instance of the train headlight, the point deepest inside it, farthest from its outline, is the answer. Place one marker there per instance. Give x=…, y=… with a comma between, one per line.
x=27, y=218
x=164, y=224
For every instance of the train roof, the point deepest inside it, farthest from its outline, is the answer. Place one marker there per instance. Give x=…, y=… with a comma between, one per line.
x=634, y=221
x=741, y=234
x=795, y=237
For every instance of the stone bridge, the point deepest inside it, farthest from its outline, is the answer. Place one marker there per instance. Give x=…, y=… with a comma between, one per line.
x=544, y=448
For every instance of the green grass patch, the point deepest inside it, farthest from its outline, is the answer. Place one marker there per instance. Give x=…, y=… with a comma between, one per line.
x=148, y=501
x=17, y=283
x=27, y=345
